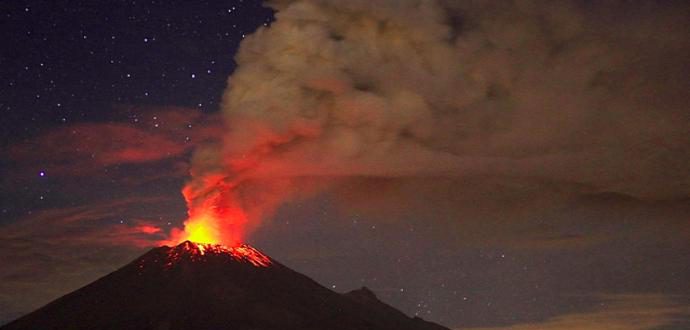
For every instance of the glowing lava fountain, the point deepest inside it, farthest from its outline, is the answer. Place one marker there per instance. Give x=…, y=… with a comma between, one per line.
x=212, y=220
x=215, y=228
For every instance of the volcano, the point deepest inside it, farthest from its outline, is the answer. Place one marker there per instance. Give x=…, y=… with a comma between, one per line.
x=213, y=287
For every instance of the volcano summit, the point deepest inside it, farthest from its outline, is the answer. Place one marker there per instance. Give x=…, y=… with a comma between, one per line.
x=209, y=287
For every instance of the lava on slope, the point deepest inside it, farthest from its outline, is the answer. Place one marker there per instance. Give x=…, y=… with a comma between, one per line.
x=196, y=252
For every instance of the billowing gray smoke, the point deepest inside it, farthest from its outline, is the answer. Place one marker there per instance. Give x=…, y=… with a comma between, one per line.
x=584, y=94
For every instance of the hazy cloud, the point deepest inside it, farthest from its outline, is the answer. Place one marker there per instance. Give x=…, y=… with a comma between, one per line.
x=629, y=312
x=136, y=136
x=588, y=97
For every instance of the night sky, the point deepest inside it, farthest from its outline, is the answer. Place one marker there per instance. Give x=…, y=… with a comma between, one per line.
x=554, y=194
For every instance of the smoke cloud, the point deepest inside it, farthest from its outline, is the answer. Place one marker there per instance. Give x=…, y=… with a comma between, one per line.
x=578, y=94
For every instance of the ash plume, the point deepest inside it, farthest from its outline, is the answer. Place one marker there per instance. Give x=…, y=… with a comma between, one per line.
x=585, y=94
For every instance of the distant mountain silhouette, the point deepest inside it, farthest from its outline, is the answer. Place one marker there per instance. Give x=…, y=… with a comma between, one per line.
x=209, y=287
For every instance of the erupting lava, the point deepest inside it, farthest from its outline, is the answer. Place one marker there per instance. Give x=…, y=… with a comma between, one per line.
x=201, y=229
x=213, y=220
x=215, y=227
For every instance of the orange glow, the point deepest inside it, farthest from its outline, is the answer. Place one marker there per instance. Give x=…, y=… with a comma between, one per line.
x=213, y=219
x=225, y=206
x=216, y=226
x=201, y=229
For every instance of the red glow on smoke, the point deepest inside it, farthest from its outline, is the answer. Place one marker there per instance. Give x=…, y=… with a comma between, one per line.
x=226, y=203
x=213, y=219
x=148, y=229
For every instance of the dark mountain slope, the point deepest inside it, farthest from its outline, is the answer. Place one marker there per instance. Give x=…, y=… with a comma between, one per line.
x=196, y=286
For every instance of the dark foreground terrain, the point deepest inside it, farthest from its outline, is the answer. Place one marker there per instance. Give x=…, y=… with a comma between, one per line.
x=193, y=286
